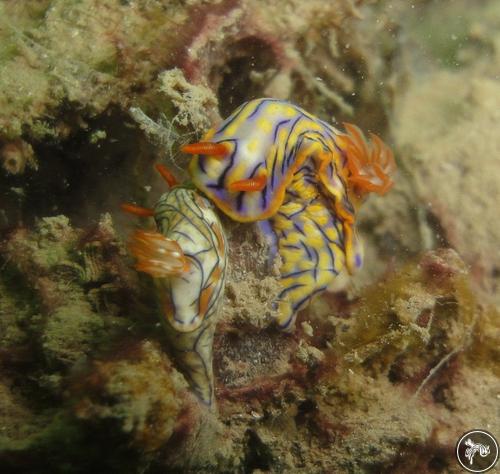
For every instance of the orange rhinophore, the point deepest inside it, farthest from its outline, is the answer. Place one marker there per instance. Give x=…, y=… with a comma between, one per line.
x=370, y=163
x=137, y=210
x=157, y=255
x=144, y=211
x=217, y=150
x=250, y=184
x=167, y=175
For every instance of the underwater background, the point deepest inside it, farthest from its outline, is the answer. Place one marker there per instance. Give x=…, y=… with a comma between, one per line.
x=383, y=376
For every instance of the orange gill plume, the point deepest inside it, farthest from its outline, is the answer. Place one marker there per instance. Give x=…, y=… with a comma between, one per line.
x=370, y=163
x=157, y=255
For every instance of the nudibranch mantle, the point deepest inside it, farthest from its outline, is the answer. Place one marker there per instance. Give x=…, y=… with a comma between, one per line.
x=271, y=139
x=186, y=217
x=187, y=258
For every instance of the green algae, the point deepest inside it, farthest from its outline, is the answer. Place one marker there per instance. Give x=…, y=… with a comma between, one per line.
x=17, y=305
x=411, y=319
x=448, y=32
x=49, y=325
x=63, y=302
x=71, y=332
x=45, y=276
x=58, y=437
x=59, y=52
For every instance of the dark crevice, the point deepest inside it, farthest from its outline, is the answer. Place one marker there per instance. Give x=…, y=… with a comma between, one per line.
x=257, y=455
x=438, y=229
x=248, y=56
x=82, y=176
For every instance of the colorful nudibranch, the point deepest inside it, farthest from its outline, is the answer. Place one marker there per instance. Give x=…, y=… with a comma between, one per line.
x=187, y=258
x=271, y=160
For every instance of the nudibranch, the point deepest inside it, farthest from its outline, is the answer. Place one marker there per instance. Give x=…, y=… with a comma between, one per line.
x=186, y=256
x=273, y=162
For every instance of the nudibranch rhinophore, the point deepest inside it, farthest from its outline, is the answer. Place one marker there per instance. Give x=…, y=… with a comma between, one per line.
x=186, y=256
x=271, y=161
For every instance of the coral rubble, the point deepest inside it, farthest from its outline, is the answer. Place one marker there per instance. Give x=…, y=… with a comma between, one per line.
x=383, y=377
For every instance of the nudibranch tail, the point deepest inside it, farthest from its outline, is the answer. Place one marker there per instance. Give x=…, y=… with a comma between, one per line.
x=370, y=164
x=193, y=355
x=157, y=255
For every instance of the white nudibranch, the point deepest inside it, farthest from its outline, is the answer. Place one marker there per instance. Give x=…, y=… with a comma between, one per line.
x=186, y=256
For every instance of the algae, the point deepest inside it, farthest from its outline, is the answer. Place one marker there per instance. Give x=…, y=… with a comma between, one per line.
x=383, y=377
